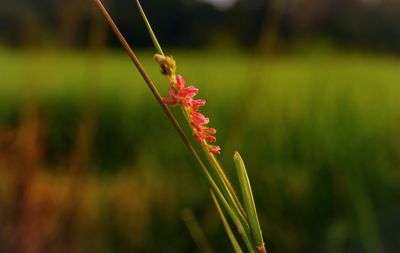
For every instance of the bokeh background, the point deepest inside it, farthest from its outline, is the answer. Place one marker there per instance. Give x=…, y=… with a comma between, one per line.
x=307, y=90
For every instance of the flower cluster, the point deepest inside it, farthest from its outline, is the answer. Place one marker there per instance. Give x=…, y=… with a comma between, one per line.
x=184, y=95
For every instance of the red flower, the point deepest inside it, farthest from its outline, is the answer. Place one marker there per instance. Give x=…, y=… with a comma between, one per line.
x=196, y=104
x=180, y=94
x=216, y=150
x=172, y=100
x=183, y=96
x=199, y=119
x=180, y=82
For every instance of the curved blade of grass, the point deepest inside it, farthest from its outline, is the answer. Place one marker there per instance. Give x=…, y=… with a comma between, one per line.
x=232, y=238
x=151, y=32
x=248, y=200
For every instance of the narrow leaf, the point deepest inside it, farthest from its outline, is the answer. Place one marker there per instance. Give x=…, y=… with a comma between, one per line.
x=248, y=200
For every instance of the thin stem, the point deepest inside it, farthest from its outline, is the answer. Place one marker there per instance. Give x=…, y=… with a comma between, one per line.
x=215, y=163
x=234, y=203
x=239, y=225
x=232, y=197
x=222, y=180
x=152, y=34
x=228, y=229
x=228, y=196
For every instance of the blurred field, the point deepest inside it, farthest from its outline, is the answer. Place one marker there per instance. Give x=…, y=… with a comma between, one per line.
x=88, y=162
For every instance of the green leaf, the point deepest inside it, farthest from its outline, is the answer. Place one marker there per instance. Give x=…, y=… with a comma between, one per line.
x=248, y=200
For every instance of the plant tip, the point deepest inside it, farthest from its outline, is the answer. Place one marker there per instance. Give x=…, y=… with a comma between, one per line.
x=236, y=155
x=159, y=58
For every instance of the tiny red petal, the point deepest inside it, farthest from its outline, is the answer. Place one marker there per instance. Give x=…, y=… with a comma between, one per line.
x=190, y=91
x=185, y=96
x=210, y=130
x=180, y=82
x=216, y=150
x=199, y=119
x=199, y=128
x=197, y=103
x=169, y=101
x=211, y=138
x=186, y=101
x=172, y=92
x=199, y=136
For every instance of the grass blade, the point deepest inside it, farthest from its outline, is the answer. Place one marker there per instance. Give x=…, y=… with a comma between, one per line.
x=249, y=204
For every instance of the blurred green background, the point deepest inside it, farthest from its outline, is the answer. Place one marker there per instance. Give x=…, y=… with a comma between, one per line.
x=307, y=91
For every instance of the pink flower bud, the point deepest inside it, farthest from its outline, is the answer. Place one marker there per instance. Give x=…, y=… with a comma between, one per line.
x=190, y=91
x=211, y=138
x=199, y=119
x=197, y=103
x=172, y=92
x=199, y=137
x=184, y=96
x=216, y=150
x=180, y=82
x=169, y=101
x=210, y=130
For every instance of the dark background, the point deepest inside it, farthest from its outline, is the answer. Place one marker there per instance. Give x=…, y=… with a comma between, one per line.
x=367, y=24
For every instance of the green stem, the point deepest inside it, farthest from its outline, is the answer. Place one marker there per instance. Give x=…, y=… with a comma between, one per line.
x=242, y=231
x=232, y=238
x=227, y=193
x=222, y=180
x=215, y=163
x=225, y=181
x=152, y=35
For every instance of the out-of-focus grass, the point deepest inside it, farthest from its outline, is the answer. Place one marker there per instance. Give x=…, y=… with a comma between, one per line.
x=319, y=134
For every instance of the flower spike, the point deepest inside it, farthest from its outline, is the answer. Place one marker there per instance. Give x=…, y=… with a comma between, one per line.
x=184, y=96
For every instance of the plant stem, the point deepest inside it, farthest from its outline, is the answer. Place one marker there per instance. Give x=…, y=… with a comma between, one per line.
x=222, y=180
x=228, y=229
x=217, y=166
x=152, y=35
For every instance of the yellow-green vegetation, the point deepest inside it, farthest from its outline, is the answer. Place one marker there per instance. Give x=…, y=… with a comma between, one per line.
x=320, y=134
